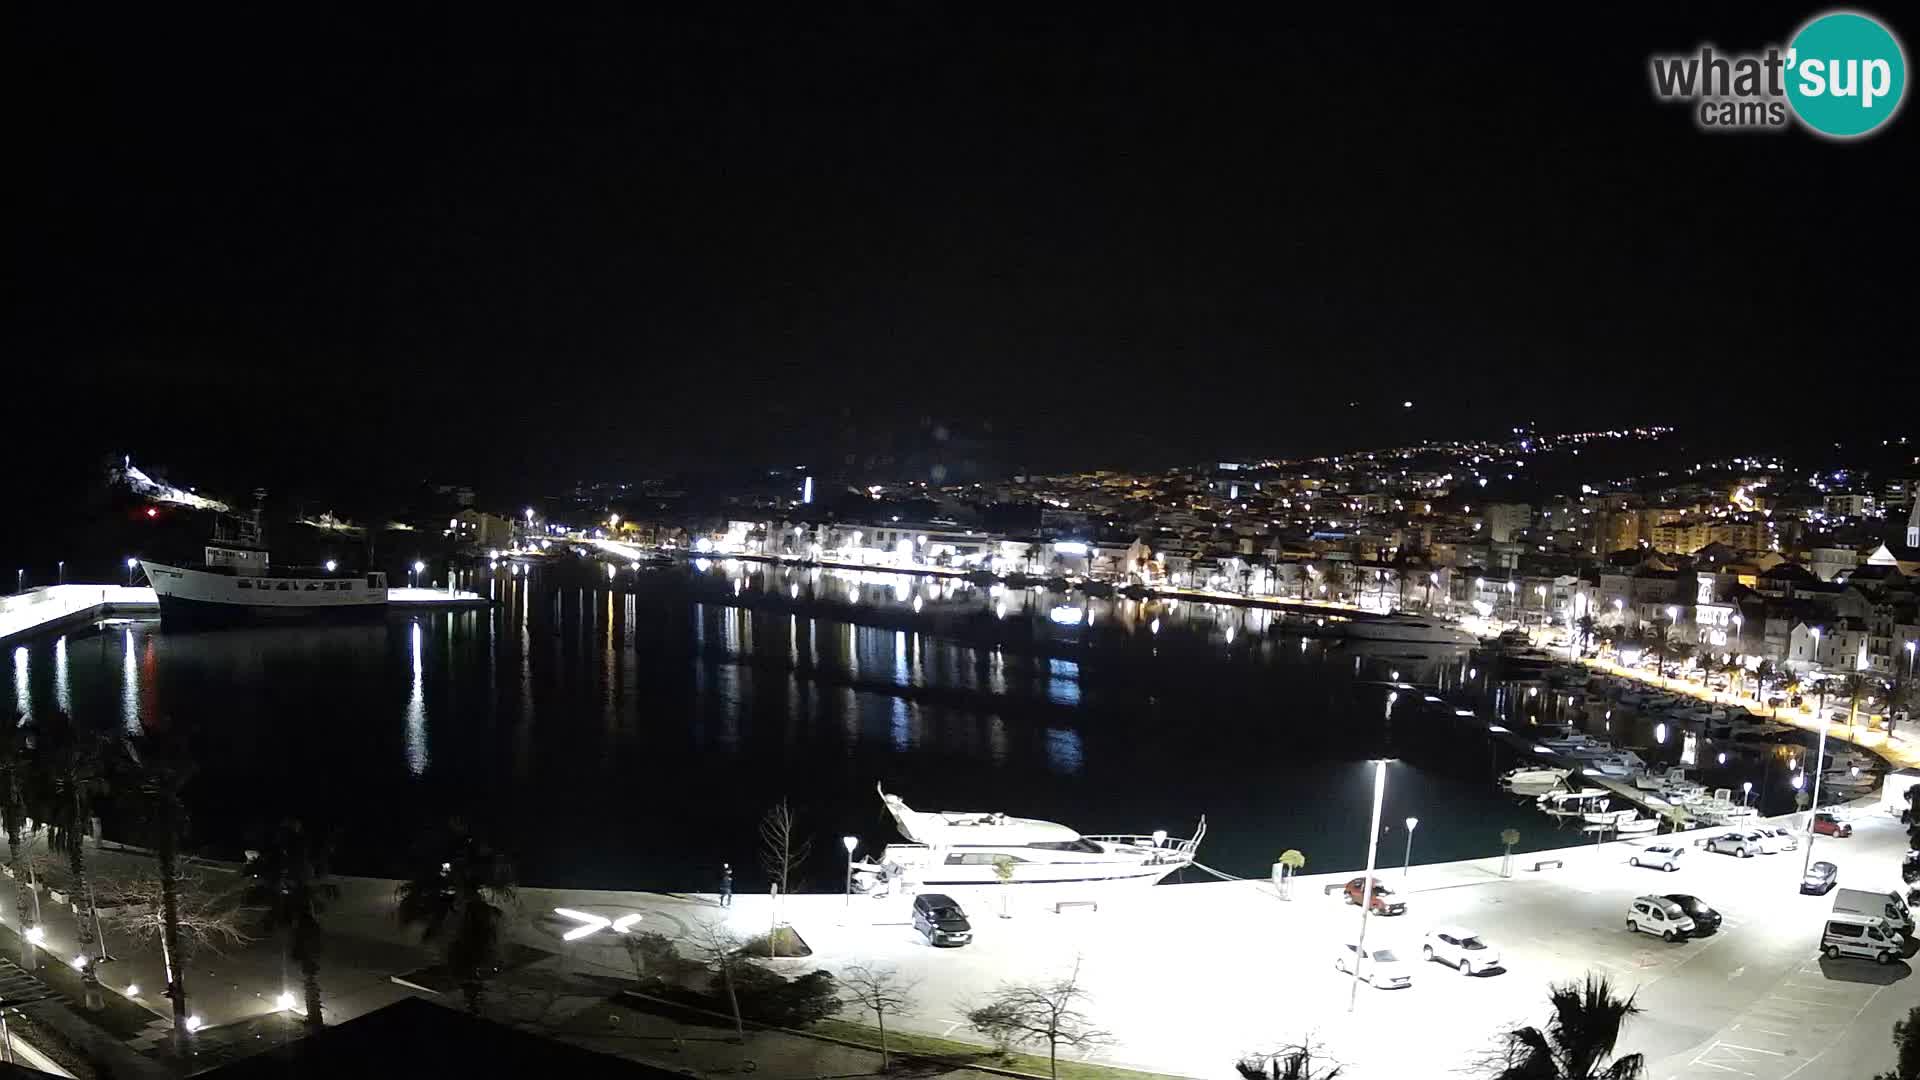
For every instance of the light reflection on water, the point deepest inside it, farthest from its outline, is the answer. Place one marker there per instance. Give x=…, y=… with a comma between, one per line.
x=637, y=747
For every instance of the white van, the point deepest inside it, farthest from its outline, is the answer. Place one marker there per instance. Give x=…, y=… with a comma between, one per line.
x=1889, y=907
x=1852, y=935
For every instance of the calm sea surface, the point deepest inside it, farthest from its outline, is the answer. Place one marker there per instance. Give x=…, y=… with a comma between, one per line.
x=630, y=733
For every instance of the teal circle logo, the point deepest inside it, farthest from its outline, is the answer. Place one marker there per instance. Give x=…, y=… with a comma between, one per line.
x=1846, y=74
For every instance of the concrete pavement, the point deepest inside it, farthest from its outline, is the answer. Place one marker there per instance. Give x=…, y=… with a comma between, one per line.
x=1188, y=977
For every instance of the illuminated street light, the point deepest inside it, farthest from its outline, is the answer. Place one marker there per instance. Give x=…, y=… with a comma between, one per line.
x=1366, y=887
x=332, y=566
x=1746, y=791
x=1412, y=824
x=849, y=842
x=418, y=568
x=1813, y=804
x=131, y=563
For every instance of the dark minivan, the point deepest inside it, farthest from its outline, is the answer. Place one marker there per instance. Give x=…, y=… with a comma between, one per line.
x=939, y=919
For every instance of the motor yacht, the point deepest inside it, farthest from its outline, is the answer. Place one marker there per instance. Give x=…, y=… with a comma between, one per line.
x=957, y=848
x=1406, y=628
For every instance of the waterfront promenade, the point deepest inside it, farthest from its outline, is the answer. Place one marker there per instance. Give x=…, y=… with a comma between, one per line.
x=1901, y=749
x=51, y=607
x=1188, y=976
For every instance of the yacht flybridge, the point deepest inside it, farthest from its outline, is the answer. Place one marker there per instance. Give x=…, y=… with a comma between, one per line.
x=952, y=848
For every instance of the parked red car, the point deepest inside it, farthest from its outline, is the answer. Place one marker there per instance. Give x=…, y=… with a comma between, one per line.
x=1383, y=900
x=1826, y=824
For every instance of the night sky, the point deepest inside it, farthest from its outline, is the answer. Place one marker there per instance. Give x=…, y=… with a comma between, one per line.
x=508, y=249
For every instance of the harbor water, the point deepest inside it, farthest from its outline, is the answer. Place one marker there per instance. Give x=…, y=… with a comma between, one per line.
x=629, y=730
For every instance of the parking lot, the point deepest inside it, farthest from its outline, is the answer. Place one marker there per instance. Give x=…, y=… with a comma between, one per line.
x=1187, y=977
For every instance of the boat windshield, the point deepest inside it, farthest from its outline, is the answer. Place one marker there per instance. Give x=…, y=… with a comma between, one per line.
x=1080, y=844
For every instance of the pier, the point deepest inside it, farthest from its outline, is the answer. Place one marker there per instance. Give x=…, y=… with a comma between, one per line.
x=51, y=607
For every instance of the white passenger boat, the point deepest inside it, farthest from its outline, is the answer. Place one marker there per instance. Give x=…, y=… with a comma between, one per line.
x=955, y=848
x=238, y=584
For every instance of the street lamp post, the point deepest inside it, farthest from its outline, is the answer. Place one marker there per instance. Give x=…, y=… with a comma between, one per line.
x=1813, y=807
x=1746, y=792
x=60, y=572
x=1366, y=887
x=1407, y=863
x=131, y=563
x=419, y=568
x=849, y=842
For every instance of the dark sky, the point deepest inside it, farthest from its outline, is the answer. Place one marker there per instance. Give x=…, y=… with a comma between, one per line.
x=506, y=246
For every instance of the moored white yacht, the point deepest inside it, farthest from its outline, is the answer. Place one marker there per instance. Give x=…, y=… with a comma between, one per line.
x=1410, y=628
x=955, y=848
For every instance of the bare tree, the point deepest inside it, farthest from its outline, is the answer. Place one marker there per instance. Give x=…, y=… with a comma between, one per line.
x=781, y=853
x=880, y=990
x=720, y=950
x=1304, y=1060
x=1039, y=1012
x=211, y=915
x=206, y=910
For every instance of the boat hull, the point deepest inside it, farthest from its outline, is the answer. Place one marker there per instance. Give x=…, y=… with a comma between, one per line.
x=1412, y=631
x=190, y=597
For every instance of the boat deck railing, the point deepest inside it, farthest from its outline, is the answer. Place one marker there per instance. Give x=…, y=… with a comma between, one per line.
x=1176, y=848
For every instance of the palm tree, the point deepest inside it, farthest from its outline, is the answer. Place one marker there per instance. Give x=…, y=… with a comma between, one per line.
x=1763, y=676
x=73, y=756
x=460, y=899
x=1579, y=1037
x=1680, y=651
x=160, y=762
x=16, y=782
x=1303, y=575
x=1290, y=862
x=1586, y=626
x=1855, y=686
x=1654, y=636
x=1334, y=579
x=290, y=888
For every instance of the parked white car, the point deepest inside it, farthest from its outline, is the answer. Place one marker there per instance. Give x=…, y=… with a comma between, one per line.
x=1665, y=856
x=1784, y=839
x=1382, y=969
x=1461, y=948
x=1660, y=917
